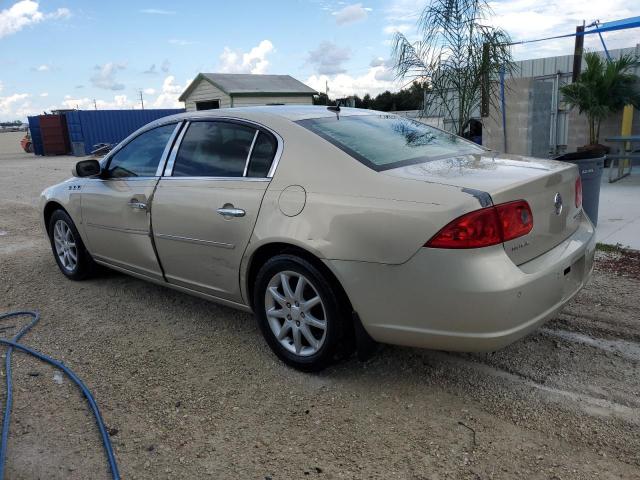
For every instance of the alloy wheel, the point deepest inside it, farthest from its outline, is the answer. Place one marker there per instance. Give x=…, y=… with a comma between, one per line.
x=295, y=313
x=65, y=245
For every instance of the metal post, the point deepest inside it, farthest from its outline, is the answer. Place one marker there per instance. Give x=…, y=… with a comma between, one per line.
x=484, y=100
x=577, y=53
x=504, y=112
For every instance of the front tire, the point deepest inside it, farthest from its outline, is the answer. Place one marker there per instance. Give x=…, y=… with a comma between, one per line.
x=69, y=251
x=299, y=313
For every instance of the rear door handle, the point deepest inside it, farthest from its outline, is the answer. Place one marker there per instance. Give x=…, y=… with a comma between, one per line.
x=137, y=205
x=231, y=212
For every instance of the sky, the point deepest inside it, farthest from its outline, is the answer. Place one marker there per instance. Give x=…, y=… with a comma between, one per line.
x=83, y=54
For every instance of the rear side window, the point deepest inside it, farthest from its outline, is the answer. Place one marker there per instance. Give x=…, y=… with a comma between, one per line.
x=214, y=149
x=140, y=157
x=262, y=155
x=388, y=141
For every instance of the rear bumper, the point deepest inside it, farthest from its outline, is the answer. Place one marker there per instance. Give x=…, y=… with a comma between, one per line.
x=466, y=300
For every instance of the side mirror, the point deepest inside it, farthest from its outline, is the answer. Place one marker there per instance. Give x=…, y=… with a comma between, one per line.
x=86, y=168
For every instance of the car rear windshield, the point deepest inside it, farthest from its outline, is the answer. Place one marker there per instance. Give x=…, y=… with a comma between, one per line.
x=383, y=141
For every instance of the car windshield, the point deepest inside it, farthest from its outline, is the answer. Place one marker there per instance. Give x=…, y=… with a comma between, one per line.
x=388, y=141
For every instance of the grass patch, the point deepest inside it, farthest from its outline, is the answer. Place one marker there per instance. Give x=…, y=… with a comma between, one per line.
x=605, y=247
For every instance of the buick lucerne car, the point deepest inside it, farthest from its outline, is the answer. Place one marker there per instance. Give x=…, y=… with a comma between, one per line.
x=336, y=227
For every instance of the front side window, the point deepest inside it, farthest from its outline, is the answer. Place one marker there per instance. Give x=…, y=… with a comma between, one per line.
x=140, y=157
x=214, y=149
x=388, y=141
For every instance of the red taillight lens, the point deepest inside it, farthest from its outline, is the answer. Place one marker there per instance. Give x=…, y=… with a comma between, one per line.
x=485, y=227
x=578, y=192
x=515, y=218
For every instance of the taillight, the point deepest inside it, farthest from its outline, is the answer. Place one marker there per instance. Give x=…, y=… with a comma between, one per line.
x=578, y=192
x=485, y=227
x=515, y=218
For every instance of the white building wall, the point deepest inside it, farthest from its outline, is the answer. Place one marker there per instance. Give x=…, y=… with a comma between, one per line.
x=246, y=101
x=204, y=92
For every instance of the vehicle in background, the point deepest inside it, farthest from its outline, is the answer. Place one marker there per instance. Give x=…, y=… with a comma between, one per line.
x=26, y=143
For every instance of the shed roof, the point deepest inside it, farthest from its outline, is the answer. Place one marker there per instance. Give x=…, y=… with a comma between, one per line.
x=251, y=84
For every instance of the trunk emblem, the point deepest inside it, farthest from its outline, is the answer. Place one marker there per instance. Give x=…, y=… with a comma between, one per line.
x=557, y=203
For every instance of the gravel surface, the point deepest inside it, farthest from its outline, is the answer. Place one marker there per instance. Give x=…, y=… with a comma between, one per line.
x=190, y=390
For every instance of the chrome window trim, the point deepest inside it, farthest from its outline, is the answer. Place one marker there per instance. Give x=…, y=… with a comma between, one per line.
x=246, y=163
x=125, y=179
x=167, y=149
x=227, y=179
x=168, y=171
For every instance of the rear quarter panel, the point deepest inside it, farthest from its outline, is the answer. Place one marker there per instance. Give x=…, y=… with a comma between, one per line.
x=350, y=211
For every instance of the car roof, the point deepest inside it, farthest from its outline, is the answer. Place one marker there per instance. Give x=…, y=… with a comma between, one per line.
x=289, y=112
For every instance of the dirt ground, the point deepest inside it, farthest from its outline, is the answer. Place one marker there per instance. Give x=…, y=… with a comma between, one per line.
x=190, y=390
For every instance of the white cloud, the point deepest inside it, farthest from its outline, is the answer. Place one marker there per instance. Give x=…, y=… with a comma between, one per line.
x=157, y=11
x=373, y=82
x=255, y=61
x=529, y=19
x=351, y=13
x=328, y=58
x=401, y=28
x=42, y=68
x=24, y=13
x=105, y=76
x=149, y=91
x=44, y=94
x=14, y=106
x=119, y=102
x=402, y=11
x=168, y=97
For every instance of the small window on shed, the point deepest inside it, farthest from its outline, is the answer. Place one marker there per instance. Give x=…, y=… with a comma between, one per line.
x=208, y=105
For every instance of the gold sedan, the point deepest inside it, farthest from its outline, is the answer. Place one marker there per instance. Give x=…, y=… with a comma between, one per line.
x=336, y=227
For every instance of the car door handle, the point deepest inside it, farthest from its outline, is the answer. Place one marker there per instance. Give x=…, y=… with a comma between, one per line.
x=231, y=212
x=136, y=205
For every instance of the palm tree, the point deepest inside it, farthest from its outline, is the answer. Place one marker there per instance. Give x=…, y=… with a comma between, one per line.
x=458, y=57
x=603, y=88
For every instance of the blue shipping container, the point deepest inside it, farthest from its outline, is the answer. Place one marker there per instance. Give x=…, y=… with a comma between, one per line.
x=36, y=136
x=90, y=127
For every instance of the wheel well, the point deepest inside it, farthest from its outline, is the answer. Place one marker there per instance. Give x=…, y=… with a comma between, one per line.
x=49, y=208
x=270, y=250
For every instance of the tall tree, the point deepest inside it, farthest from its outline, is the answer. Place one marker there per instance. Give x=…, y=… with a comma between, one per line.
x=459, y=57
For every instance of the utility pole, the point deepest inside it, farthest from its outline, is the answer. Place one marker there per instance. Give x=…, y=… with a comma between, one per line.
x=141, y=99
x=577, y=53
x=484, y=89
x=95, y=105
x=326, y=90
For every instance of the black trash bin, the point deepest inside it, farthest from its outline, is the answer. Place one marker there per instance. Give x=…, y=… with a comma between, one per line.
x=590, y=166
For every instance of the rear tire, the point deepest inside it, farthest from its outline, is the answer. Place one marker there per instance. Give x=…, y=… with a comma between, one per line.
x=303, y=323
x=69, y=251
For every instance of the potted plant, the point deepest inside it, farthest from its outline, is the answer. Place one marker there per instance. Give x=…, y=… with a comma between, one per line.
x=603, y=88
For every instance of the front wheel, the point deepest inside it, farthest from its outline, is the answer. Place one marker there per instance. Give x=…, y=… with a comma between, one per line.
x=299, y=312
x=69, y=251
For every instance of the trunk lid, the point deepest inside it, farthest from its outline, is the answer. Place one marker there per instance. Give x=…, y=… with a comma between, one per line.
x=548, y=186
